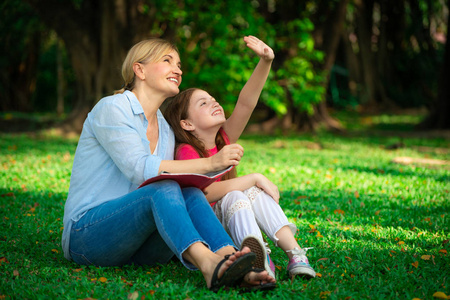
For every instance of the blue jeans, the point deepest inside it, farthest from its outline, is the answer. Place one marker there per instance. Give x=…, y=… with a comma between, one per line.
x=146, y=227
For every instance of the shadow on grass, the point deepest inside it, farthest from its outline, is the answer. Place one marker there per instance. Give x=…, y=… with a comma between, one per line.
x=23, y=125
x=357, y=262
x=39, y=144
x=406, y=171
x=367, y=208
x=30, y=241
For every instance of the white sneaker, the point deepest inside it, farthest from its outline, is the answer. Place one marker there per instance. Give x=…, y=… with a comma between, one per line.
x=299, y=264
x=257, y=247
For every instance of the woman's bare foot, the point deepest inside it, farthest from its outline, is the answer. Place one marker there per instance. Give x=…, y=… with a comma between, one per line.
x=208, y=270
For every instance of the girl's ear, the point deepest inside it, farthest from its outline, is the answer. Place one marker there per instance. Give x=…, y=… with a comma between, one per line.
x=138, y=71
x=186, y=125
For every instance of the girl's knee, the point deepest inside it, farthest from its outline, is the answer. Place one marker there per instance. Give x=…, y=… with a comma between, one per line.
x=234, y=196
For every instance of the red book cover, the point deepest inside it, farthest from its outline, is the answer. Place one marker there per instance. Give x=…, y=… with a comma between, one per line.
x=200, y=181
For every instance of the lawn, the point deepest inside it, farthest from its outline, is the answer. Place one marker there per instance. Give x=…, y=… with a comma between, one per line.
x=380, y=230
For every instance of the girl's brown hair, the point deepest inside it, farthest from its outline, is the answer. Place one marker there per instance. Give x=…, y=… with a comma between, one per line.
x=177, y=110
x=145, y=51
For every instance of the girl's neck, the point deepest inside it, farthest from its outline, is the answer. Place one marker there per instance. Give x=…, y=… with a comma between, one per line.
x=208, y=137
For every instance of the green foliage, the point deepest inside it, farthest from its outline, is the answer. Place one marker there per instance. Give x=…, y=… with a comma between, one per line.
x=215, y=58
x=19, y=32
x=213, y=54
x=380, y=230
x=418, y=63
x=18, y=24
x=297, y=75
x=28, y=65
x=45, y=96
x=209, y=37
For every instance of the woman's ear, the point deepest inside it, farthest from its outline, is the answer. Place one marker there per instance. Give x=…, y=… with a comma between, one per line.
x=139, y=71
x=186, y=125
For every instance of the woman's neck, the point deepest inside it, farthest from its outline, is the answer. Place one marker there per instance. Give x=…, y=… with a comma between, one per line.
x=150, y=104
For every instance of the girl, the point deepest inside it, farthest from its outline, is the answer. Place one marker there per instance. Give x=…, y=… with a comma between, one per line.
x=248, y=204
x=125, y=140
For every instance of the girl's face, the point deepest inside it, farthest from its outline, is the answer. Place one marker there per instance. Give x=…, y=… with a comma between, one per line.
x=164, y=75
x=204, y=113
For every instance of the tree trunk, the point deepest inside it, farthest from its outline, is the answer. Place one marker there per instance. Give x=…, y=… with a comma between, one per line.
x=21, y=37
x=374, y=94
x=392, y=34
x=439, y=117
x=60, y=85
x=328, y=41
x=364, y=33
x=97, y=35
x=20, y=80
x=351, y=61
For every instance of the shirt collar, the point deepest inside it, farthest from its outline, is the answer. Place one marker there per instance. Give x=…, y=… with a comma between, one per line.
x=135, y=104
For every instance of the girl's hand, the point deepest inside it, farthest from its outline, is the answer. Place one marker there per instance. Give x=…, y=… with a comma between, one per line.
x=271, y=189
x=229, y=155
x=259, y=47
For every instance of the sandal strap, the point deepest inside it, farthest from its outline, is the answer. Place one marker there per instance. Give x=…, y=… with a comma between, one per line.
x=215, y=279
x=237, y=269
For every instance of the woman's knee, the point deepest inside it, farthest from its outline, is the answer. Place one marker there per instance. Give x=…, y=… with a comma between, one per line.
x=166, y=192
x=162, y=189
x=192, y=192
x=166, y=187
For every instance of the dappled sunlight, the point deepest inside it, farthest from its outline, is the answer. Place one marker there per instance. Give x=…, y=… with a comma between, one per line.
x=376, y=227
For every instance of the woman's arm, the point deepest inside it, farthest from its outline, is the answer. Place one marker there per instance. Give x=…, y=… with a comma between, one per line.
x=229, y=155
x=217, y=190
x=248, y=98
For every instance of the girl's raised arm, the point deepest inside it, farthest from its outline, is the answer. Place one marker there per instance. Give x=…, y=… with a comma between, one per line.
x=249, y=95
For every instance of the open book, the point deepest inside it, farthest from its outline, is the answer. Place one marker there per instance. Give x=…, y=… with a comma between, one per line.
x=200, y=181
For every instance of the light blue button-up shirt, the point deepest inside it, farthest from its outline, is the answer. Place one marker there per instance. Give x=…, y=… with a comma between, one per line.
x=113, y=156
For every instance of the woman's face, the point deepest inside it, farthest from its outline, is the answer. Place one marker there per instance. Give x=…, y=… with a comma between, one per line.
x=164, y=75
x=205, y=112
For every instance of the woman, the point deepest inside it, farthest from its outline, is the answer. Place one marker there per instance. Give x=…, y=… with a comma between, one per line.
x=125, y=140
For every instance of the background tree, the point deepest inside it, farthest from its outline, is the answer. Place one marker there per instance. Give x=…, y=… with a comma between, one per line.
x=209, y=35
x=439, y=117
x=372, y=54
x=305, y=58
x=97, y=35
x=392, y=52
x=21, y=35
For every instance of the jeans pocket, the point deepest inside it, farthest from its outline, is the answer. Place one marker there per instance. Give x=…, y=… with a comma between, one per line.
x=80, y=258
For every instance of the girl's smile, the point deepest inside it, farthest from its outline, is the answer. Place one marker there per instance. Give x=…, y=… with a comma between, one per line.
x=203, y=106
x=205, y=116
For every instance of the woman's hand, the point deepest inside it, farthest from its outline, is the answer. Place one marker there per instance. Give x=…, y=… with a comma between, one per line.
x=259, y=47
x=268, y=186
x=229, y=155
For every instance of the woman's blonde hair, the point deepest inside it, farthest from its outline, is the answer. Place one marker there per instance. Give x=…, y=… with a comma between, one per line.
x=150, y=50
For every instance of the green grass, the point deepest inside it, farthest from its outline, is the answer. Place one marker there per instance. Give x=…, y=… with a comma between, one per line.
x=373, y=224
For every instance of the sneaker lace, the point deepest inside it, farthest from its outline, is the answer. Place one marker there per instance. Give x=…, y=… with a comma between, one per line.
x=299, y=252
x=266, y=245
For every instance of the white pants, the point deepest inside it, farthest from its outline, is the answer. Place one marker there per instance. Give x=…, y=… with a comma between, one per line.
x=249, y=212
